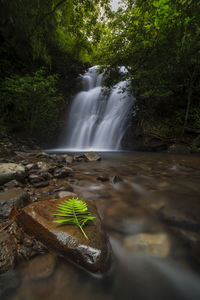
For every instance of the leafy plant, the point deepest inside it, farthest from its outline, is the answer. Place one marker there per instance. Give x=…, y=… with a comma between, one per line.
x=31, y=102
x=74, y=211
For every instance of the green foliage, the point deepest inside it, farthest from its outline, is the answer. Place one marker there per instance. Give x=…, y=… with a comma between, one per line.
x=158, y=42
x=74, y=211
x=58, y=34
x=30, y=102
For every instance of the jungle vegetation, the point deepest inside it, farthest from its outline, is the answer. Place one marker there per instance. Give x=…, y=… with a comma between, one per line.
x=158, y=41
x=45, y=45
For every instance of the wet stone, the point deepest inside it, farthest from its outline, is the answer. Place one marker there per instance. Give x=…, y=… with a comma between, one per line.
x=79, y=157
x=191, y=240
x=40, y=267
x=13, y=183
x=181, y=217
x=92, y=156
x=157, y=245
x=15, y=197
x=115, y=179
x=31, y=166
x=45, y=167
x=68, y=158
x=40, y=184
x=66, y=194
x=93, y=253
x=8, y=252
x=103, y=178
x=8, y=281
x=62, y=172
x=10, y=171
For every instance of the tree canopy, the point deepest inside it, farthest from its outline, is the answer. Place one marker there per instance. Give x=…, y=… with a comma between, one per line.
x=56, y=34
x=158, y=41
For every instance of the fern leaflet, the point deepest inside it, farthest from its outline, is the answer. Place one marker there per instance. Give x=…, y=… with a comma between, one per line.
x=74, y=211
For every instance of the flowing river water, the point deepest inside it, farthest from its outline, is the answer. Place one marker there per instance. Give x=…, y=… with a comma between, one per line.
x=150, y=208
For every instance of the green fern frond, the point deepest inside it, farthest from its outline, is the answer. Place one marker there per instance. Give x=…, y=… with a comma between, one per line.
x=74, y=211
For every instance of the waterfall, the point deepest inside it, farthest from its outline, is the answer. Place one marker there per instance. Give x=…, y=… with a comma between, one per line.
x=96, y=121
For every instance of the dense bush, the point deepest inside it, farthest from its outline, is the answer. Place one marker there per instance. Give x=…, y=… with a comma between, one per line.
x=30, y=103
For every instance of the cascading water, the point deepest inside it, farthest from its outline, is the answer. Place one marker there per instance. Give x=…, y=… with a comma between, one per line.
x=96, y=121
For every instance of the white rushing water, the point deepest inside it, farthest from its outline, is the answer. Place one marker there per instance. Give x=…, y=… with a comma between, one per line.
x=96, y=121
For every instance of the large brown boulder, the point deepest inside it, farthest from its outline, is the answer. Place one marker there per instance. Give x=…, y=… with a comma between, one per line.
x=93, y=254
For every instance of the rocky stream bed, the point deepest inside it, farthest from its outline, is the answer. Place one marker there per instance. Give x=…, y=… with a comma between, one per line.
x=145, y=241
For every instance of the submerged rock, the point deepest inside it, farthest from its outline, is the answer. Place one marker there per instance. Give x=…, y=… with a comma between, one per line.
x=115, y=179
x=68, y=158
x=45, y=167
x=92, y=156
x=66, y=194
x=183, y=217
x=103, y=178
x=8, y=281
x=149, y=244
x=8, y=252
x=79, y=157
x=15, y=197
x=62, y=172
x=93, y=254
x=190, y=240
x=41, y=184
x=10, y=171
x=12, y=184
x=40, y=267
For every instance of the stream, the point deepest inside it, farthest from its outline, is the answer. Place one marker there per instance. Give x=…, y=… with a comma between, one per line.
x=150, y=208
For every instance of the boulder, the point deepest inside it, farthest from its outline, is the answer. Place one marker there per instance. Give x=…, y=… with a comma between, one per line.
x=40, y=267
x=40, y=179
x=42, y=155
x=34, y=178
x=62, y=172
x=10, y=171
x=68, y=158
x=31, y=166
x=115, y=179
x=93, y=254
x=8, y=252
x=45, y=167
x=92, y=156
x=157, y=245
x=79, y=157
x=15, y=197
x=41, y=184
x=66, y=194
x=13, y=183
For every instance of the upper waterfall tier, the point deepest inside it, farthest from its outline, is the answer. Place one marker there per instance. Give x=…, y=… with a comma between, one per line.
x=96, y=121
